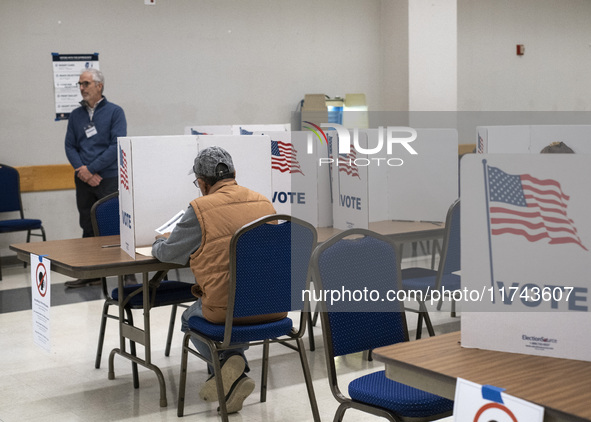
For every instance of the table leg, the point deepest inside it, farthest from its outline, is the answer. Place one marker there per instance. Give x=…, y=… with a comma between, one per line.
x=134, y=334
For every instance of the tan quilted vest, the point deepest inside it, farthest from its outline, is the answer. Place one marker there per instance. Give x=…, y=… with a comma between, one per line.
x=221, y=213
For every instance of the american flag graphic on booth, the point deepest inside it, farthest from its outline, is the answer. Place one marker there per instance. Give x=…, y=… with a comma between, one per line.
x=123, y=173
x=526, y=206
x=284, y=157
x=480, y=149
x=347, y=163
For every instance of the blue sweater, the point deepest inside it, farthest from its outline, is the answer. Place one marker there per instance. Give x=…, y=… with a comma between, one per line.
x=99, y=152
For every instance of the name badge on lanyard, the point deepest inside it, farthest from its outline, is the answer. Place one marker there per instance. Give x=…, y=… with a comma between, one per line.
x=90, y=130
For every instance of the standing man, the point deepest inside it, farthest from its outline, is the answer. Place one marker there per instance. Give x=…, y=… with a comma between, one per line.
x=202, y=238
x=91, y=148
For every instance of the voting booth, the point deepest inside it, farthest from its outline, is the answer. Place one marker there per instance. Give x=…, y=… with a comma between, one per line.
x=531, y=138
x=368, y=180
x=501, y=139
x=156, y=178
x=416, y=182
x=235, y=129
x=300, y=187
x=350, y=189
x=427, y=184
x=526, y=242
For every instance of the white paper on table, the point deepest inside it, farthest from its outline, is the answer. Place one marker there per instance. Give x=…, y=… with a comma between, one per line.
x=170, y=224
x=145, y=250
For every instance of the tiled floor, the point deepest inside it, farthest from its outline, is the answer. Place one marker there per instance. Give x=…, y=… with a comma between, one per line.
x=63, y=385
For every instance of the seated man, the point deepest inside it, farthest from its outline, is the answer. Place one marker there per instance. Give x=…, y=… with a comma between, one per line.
x=202, y=237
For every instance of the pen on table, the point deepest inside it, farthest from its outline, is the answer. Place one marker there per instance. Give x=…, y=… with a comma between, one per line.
x=110, y=246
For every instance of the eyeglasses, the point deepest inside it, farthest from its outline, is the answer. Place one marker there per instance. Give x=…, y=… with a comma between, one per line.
x=196, y=183
x=85, y=84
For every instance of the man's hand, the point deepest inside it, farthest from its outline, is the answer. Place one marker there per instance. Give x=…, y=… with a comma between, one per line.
x=83, y=174
x=87, y=177
x=95, y=180
x=163, y=236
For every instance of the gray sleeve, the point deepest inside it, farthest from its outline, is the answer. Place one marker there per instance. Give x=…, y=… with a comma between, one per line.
x=182, y=242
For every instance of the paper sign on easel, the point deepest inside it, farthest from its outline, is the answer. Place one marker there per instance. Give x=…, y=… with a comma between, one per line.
x=483, y=403
x=40, y=296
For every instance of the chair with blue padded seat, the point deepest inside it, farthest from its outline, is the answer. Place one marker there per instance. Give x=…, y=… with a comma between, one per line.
x=10, y=201
x=105, y=222
x=359, y=260
x=268, y=268
x=444, y=278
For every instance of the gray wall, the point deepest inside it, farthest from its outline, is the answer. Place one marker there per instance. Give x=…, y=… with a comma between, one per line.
x=185, y=62
x=180, y=63
x=553, y=75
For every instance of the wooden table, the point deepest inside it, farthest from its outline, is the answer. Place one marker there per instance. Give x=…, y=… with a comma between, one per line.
x=399, y=231
x=96, y=257
x=562, y=386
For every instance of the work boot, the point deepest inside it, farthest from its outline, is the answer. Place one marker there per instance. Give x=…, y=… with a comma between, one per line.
x=232, y=369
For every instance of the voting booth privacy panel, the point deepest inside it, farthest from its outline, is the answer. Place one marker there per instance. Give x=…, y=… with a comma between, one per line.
x=300, y=187
x=156, y=178
x=526, y=260
x=532, y=138
x=400, y=185
x=236, y=129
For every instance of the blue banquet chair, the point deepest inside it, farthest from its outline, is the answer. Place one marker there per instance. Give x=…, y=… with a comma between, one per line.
x=359, y=260
x=269, y=263
x=445, y=278
x=10, y=201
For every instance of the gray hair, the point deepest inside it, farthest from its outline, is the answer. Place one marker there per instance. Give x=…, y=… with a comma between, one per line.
x=97, y=76
x=557, y=147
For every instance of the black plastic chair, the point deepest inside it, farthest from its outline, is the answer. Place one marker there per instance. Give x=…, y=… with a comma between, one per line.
x=105, y=222
x=10, y=201
x=268, y=270
x=367, y=262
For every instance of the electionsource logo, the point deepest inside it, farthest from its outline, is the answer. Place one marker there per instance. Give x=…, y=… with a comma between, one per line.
x=385, y=138
x=540, y=339
x=540, y=343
